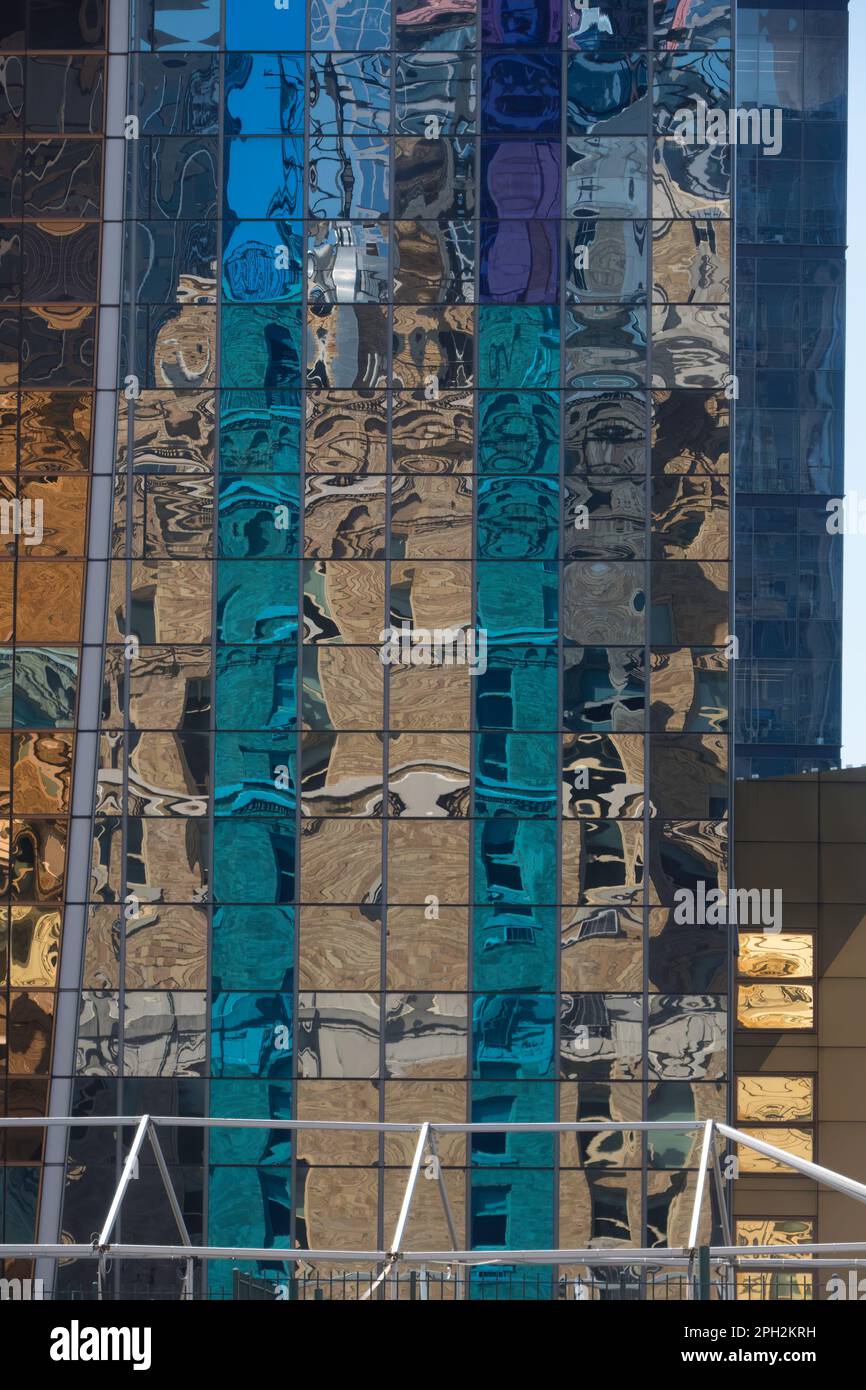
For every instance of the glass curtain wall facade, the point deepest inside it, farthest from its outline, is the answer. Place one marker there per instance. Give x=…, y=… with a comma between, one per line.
x=52, y=70
x=790, y=360
x=415, y=692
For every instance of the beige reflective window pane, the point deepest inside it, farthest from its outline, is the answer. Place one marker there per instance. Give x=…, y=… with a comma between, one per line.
x=775, y=1098
x=427, y=946
x=344, y=516
x=426, y=1035
x=340, y=1207
x=603, y=775
x=429, y=697
x=172, y=429
x=432, y=436
x=164, y=1033
x=602, y=949
x=431, y=517
x=691, y=261
x=172, y=600
x=338, y=1101
x=338, y=1035
x=691, y=517
x=432, y=594
x=595, y=1102
x=428, y=858
x=341, y=774
x=344, y=601
x=427, y=1227
x=688, y=689
x=799, y=1142
x=166, y=948
x=778, y=956
x=347, y=432
x=343, y=688
x=428, y=775
x=341, y=861
x=339, y=948
x=413, y=1102
x=775, y=1006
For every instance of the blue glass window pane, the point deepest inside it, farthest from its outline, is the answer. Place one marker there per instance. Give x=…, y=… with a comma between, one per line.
x=263, y=24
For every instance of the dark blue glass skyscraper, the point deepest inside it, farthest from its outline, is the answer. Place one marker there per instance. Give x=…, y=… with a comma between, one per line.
x=789, y=360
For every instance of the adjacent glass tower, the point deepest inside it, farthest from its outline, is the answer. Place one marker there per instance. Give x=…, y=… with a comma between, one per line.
x=413, y=319
x=790, y=360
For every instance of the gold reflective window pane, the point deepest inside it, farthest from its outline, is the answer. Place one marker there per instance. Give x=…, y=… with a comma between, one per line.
x=34, y=947
x=775, y=1098
x=42, y=772
x=773, y=1285
x=61, y=503
x=799, y=1142
x=776, y=955
x=775, y=1007
x=48, y=600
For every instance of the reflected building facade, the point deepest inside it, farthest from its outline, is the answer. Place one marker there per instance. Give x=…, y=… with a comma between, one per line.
x=413, y=319
x=790, y=360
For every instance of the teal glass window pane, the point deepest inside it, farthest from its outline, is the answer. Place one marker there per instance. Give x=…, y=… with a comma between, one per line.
x=254, y=861
x=256, y=686
x=260, y=431
x=251, y=1035
x=515, y=861
x=514, y=947
x=252, y=947
x=512, y=1036
x=254, y=774
x=256, y=601
x=515, y=774
x=261, y=346
x=518, y=602
x=518, y=519
x=250, y=1100
x=518, y=690
x=258, y=516
x=518, y=432
x=518, y=347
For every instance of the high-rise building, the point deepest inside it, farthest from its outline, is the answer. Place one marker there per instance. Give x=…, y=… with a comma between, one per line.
x=799, y=1034
x=368, y=366
x=790, y=359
